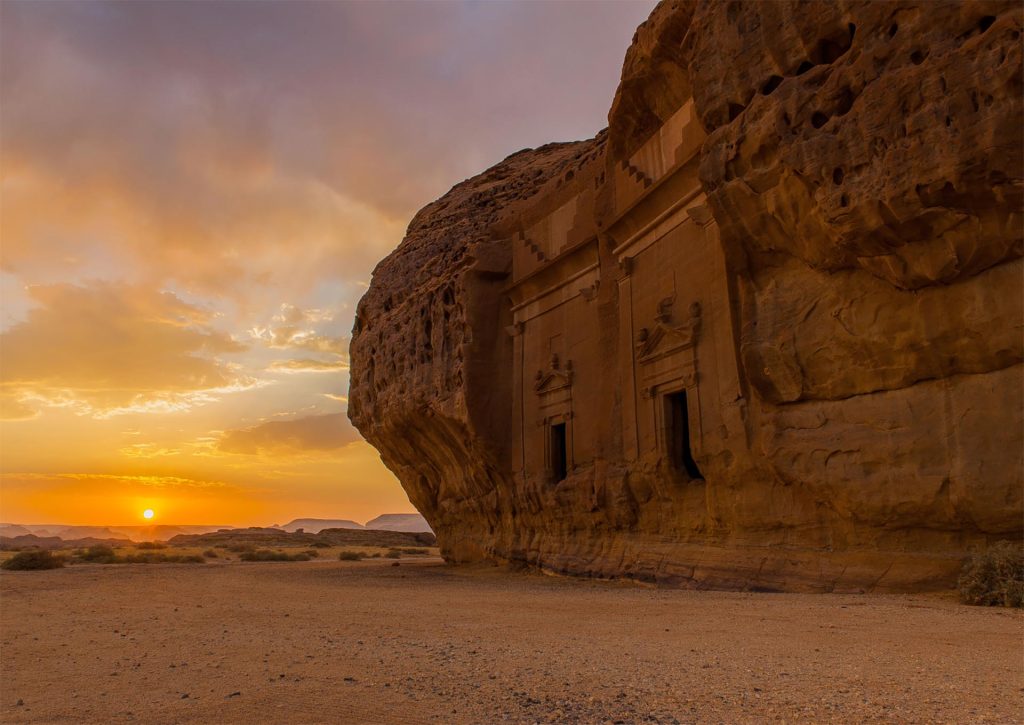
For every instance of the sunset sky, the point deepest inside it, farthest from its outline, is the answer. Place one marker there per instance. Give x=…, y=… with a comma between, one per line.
x=194, y=195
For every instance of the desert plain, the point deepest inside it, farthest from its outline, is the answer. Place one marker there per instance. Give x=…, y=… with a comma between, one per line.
x=329, y=641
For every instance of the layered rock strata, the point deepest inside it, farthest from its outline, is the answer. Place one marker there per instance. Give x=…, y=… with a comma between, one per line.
x=765, y=332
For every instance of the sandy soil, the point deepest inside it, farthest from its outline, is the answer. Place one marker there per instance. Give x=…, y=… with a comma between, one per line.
x=322, y=642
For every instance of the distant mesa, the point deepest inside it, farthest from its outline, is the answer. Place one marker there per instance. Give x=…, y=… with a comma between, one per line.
x=315, y=526
x=412, y=523
x=408, y=523
x=11, y=530
x=336, y=536
x=32, y=541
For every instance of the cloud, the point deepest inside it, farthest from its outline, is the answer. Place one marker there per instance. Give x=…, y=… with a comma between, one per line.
x=307, y=366
x=148, y=481
x=310, y=434
x=107, y=349
x=295, y=328
x=148, y=450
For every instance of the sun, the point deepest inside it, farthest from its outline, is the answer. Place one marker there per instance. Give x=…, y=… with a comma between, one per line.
x=148, y=514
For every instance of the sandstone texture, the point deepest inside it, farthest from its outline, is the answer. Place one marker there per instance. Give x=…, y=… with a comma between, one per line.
x=764, y=332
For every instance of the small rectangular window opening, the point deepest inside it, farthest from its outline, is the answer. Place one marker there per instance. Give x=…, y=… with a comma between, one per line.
x=678, y=431
x=558, y=451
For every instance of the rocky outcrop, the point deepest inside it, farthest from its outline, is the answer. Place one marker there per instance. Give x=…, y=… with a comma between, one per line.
x=822, y=203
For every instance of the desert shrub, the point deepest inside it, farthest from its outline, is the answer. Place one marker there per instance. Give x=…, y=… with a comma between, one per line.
x=350, y=556
x=241, y=548
x=311, y=553
x=32, y=560
x=210, y=554
x=414, y=551
x=375, y=555
x=268, y=555
x=321, y=544
x=151, y=545
x=393, y=554
x=98, y=554
x=995, y=577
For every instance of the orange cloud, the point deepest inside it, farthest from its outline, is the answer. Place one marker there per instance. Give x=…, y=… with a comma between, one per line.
x=295, y=328
x=307, y=366
x=107, y=349
x=313, y=433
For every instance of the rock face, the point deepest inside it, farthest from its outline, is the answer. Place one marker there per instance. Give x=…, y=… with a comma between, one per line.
x=765, y=332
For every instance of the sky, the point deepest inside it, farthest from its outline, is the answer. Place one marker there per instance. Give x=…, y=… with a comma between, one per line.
x=193, y=196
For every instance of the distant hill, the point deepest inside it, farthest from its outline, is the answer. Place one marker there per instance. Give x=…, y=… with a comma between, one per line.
x=313, y=526
x=31, y=541
x=149, y=532
x=86, y=532
x=163, y=532
x=399, y=522
x=332, y=537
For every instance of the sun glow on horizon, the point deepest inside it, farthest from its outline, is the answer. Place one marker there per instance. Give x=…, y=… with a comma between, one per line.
x=148, y=514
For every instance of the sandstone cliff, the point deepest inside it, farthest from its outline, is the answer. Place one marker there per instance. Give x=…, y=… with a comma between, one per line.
x=822, y=203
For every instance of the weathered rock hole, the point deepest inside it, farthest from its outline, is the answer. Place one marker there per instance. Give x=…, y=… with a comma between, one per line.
x=735, y=110
x=893, y=29
x=837, y=176
x=828, y=52
x=917, y=57
x=819, y=119
x=845, y=102
x=949, y=121
x=942, y=83
x=986, y=22
x=844, y=201
x=804, y=67
x=770, y=85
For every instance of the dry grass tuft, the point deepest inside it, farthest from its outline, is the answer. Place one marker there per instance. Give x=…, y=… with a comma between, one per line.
x=995, y=577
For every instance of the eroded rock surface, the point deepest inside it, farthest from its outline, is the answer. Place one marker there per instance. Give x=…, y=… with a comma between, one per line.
x=766, y=332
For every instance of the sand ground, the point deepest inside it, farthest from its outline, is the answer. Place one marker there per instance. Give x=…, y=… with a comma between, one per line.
x=341, y=642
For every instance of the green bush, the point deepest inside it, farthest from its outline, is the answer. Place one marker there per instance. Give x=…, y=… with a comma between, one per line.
x=32, y=560
x=995, y=577
x=350, y=556
x=268, y=555
x=99, y=554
